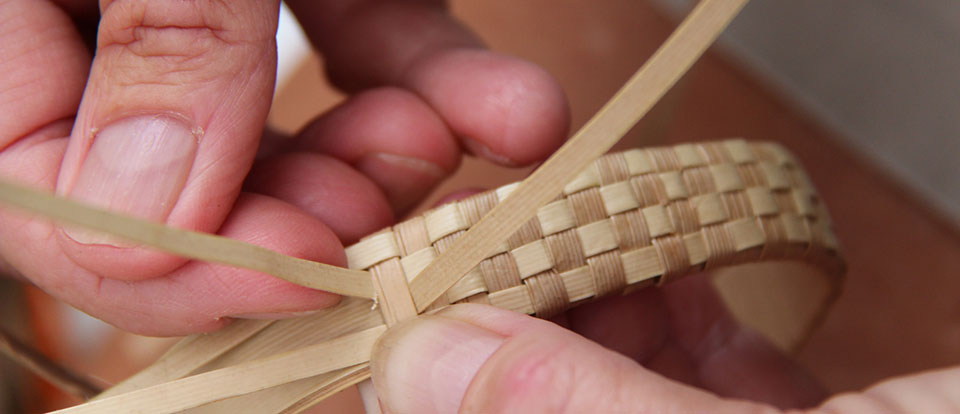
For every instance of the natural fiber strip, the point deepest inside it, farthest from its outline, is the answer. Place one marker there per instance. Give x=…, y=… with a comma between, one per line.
x=193, y=245
x=241, y=379
x=188, y=355
x=628, y=106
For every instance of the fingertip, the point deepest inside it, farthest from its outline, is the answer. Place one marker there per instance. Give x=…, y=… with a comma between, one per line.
x=505, y=109
x=383, y=120
x=393, y=137
x=427, y=364
x=326, y=188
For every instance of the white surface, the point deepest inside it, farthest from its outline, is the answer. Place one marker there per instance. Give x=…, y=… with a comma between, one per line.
x=884, y=74
x=292, y=46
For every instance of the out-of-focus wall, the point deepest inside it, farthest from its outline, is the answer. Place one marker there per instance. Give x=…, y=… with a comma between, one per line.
x=885, y=74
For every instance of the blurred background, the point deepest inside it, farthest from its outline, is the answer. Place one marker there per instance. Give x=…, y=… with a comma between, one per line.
x=864, y=92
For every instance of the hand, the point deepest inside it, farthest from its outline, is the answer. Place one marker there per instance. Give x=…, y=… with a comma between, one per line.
x=695, y=359
x=165, y=123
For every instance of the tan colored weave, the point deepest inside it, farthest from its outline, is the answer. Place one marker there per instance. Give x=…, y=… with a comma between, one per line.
x=645, y=216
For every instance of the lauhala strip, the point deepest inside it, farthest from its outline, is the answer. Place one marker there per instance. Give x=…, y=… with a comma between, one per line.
x=624, y=110
x=240, y=379
x=189, y=244
x=188, y=355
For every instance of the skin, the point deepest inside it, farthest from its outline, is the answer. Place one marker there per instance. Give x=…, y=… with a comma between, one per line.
x=668, y=350
x=425, y=92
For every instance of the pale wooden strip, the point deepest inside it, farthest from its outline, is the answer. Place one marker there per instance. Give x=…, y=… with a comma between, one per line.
x=775, y=176
x=803, y=199
x=618, y=197
x=532, y=258
x=739, y=151
x=710, y=209
x=372, y=250
x=443, y=221
x=470, y=285
x=556, y=217
x=189, y=244
x=288, y=398
x=587, y=178
x=674, y=186
x=696, y=248
x=579, y=283
x=345, y=378
x=746, y=233
x=641, y=264
x=350, y=316
x=726, y=177
x=638, y=162
x=597, y=237
x=188, y=355
x=658, y=221
x=516, y=299
x=241, y=379
x=631, y=103
x=391, y=284
x=762, y=202
x=689, y=155
x=504, y=191
x=415, y=262
x=796, y=230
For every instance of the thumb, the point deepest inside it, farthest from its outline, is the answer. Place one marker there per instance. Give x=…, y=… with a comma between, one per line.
x=170, y=120
x=475, y=358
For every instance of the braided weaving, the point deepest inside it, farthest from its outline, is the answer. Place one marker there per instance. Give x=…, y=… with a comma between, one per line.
x=641, y=217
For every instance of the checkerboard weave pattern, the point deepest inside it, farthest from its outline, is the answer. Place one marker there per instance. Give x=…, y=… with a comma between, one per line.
x=632, y=219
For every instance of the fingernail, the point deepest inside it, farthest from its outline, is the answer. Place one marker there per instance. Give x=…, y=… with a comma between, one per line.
x=480, y=150
x=405, y=180
x=408, y=163
x=426, y=365
x=137, y=166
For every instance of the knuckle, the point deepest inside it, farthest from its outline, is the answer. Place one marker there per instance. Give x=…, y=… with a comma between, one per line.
x=163, y=40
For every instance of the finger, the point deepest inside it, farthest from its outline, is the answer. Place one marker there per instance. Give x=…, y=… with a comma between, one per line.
x=685, y=332
x=476, y=358
x=348, y=202
x=391, y=136
x=504, y=109
x=634, y=325
x=730, y=359
x=929, y=392
x=168, y=126
x=44, y=66
x=199, y=296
